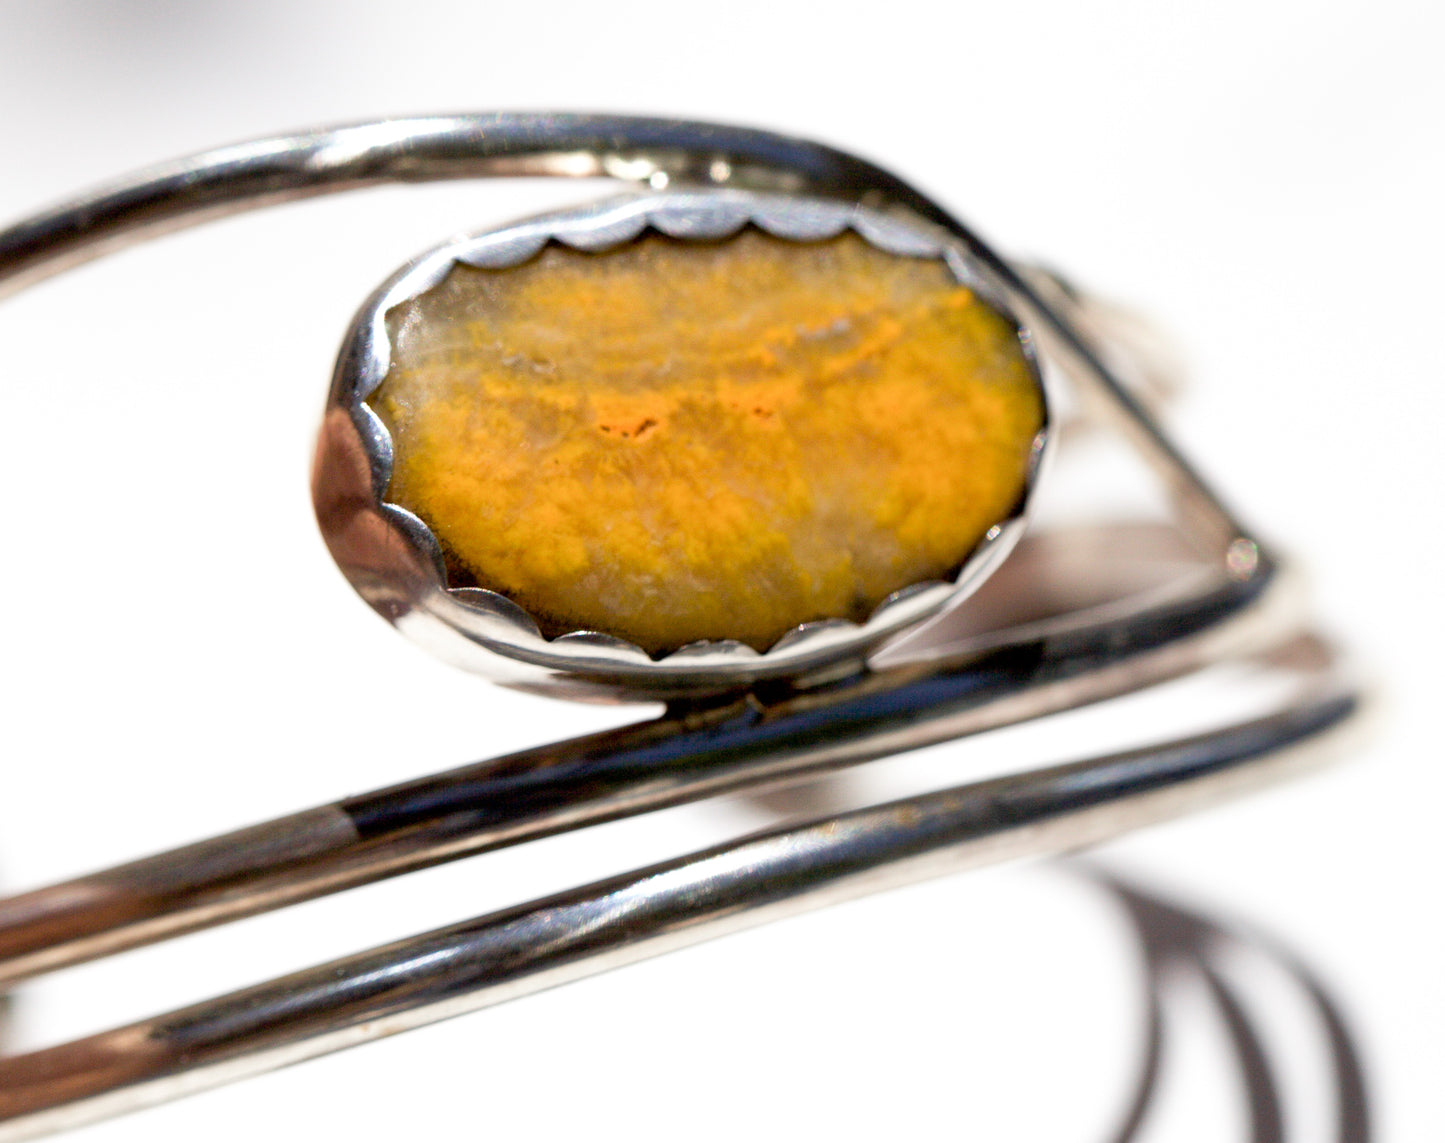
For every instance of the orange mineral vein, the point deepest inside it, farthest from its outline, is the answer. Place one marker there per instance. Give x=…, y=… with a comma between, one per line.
x=674, y=441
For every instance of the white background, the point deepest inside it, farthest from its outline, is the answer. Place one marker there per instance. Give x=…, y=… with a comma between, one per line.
x=182, y=658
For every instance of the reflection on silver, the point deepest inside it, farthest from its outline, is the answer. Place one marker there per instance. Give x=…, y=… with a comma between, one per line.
x=1074, y=616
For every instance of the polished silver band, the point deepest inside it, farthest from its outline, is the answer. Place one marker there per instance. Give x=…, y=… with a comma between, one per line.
x=1073, y=617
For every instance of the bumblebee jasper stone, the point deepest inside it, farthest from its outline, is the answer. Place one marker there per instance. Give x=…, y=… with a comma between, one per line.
x=673, y=441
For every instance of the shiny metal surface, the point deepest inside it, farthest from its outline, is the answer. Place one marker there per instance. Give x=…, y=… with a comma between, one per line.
x=647, y=151
x=1074, y=616
x=547, y=942
x=1054, y=662
x=395, y=562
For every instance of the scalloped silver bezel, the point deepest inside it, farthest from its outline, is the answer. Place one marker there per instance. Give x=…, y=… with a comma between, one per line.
x=486, y=632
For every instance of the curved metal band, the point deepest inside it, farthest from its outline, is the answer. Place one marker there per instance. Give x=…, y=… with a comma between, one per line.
x=508, y=145
x=690, y=754
x=593, y=928
x=601, y=926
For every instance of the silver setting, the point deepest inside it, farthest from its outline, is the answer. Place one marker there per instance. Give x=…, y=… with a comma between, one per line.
x=485, y=632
